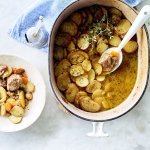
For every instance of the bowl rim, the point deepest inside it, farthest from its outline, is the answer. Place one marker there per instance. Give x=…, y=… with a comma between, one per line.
x=49, y=68
x=44, y=94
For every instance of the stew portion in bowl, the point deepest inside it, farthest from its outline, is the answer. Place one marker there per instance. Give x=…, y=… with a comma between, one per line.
x=79, y=43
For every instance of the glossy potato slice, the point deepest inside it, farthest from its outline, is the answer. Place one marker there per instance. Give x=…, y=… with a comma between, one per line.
x=30, y=87
x=22, y=99
x=115, y=11
x=83, y=41
x=8, y=72
x=71, y=47
x=63, y=81
x=3, y=110
x=89, y=19
x=69, y=27
x=77, y=98
x=76, y=70
x=89, y=105
x=98, y=93
x=101, y=47
x=85, y=55
x=97, y=68
x=86, y=65
x=75, y=57
x=94, y=85
x=14, y=119
x=63, y=66
x=82, y=81
x=115, y=41
x=3, y=95
x=71, y=92
x=17, y=111
x=131, y=47
x=58, y=53
x=123, y=27
x=91, y=75
x=62, y=39
x=77, y=18
x=100, y=78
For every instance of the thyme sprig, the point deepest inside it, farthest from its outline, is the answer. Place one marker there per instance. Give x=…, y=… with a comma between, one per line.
x=96, y=30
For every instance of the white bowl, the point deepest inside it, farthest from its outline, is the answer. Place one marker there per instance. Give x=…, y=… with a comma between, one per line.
x=36, y=105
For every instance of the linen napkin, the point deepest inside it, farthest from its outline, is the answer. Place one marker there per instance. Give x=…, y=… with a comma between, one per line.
x=49, y=9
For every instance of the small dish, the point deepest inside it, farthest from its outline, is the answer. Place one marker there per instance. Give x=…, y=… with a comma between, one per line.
x=36, y=105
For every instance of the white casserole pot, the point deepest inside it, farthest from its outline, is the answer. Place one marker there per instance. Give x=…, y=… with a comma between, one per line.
x=142, y=74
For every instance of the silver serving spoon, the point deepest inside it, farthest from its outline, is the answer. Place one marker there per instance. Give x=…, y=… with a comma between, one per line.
x=142, y=17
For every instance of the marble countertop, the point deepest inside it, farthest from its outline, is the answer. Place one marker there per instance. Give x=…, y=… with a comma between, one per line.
x=57, y=130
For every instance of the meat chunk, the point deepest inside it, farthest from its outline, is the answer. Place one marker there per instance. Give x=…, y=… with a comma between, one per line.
x=109, y=63
x=3, y=68
x=3, y=83
x=13, y=82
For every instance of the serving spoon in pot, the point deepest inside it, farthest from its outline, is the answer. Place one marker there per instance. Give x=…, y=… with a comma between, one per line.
x=142, y=17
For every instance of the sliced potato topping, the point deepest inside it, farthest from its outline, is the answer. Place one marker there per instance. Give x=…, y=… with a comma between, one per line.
x=82, y=81
x=86, y=64
x=94, y=85
x=76, y=70
x=131, y=47
x=71, y=92
x=83, y=41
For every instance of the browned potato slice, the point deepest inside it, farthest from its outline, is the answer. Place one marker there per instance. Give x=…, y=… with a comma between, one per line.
x=63, y=81
x=14, y=119
x=62, y=39
x=131, y=47
x=75, y=57
x=84, y=16
x=82, y=81
x=58, y=53
x=98, y=15
x=94, y=85
x=100, y=78
x=84, y=54
x=76, y=70
x=105, y=104
x=86, y=65
x=115, y=11
x=63, y=66
x=97, y=68
x=89, y=105
x=115, y=41
x=73, y=78
x=91, y=75
x=71, y=92
x=89, y=19
x=123, y=27
x=98, y=93
x=69, y=27
x=76, y=17
x=71, y=47
x=77, y=98
x=17, y=111
x=115, y=19
x=83, y=41
x=99, y=100
x=101, y=47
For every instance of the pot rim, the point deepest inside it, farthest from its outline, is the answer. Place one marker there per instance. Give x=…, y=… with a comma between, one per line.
x=50, y=79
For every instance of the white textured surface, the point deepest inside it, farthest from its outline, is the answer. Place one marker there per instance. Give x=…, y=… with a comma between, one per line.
x=57, y=130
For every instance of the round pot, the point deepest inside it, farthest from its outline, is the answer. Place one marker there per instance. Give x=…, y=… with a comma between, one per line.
x=142, y=74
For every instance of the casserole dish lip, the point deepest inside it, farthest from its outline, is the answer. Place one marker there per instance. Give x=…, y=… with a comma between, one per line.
x=49, y=68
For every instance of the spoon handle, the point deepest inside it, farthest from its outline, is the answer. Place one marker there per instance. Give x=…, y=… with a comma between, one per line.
x=142, y=17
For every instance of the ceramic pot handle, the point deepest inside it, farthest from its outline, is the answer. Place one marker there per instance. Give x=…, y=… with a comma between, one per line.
x=97, y=130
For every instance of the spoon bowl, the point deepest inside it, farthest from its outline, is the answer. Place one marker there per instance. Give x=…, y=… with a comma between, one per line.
x=107, y=53
x=137, y=24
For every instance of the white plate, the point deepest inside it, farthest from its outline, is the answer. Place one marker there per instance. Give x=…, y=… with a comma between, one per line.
x=36, y=105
